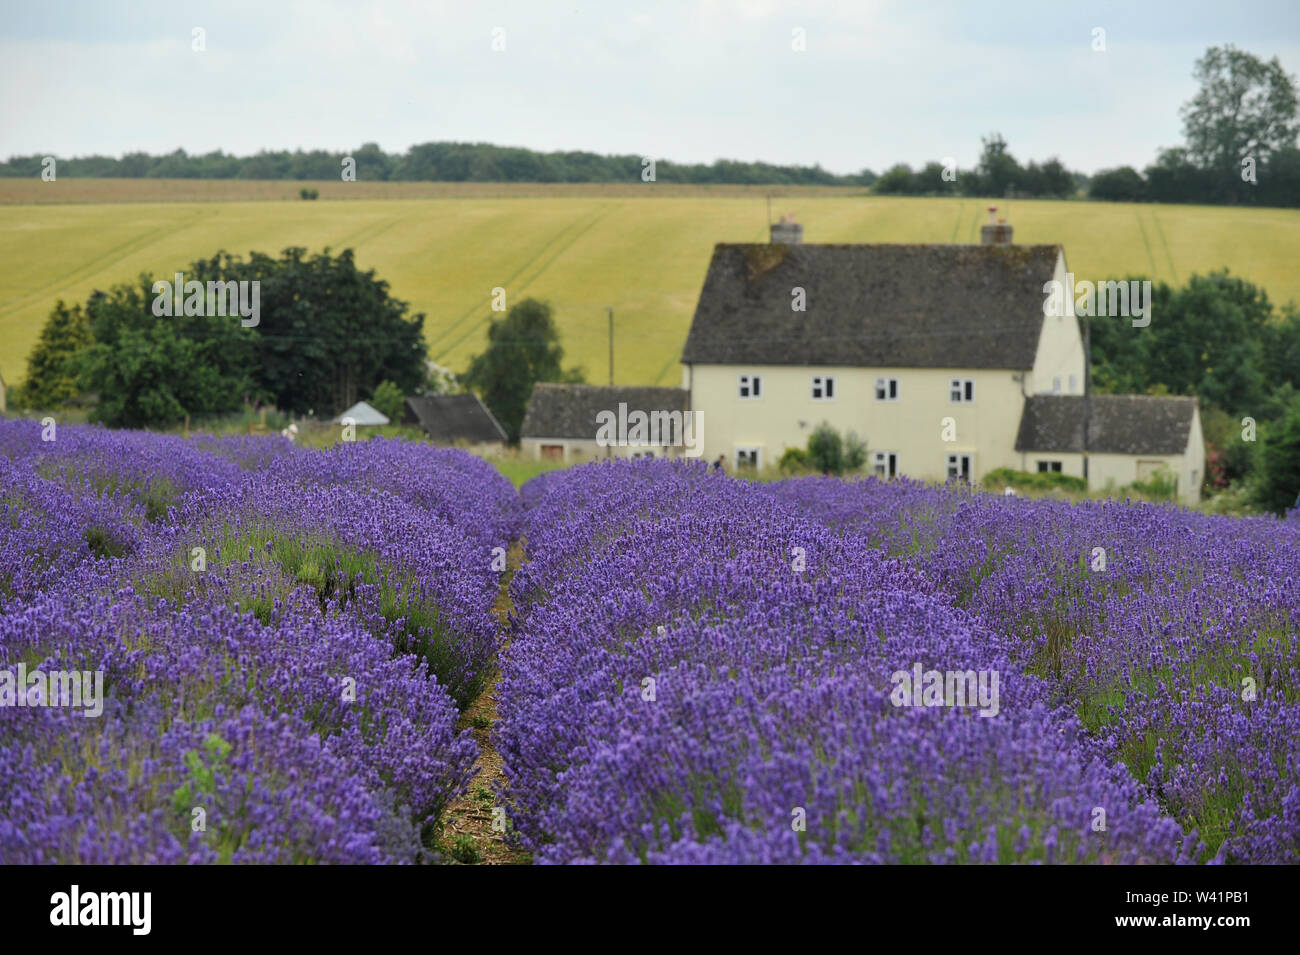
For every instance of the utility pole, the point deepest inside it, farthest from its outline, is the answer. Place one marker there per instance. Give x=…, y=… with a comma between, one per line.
x=1087, y=394
x=610, y=311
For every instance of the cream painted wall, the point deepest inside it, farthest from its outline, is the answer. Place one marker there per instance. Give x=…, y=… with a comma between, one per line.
x=1189, y=467
x=577, y=450
x=1116, y=470
x=1071, y=463
x=911, y=426
x=786, y=414
x=1193, y=462
x=1060, y=348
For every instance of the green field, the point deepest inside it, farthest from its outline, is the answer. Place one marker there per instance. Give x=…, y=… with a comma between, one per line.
x=582, y=249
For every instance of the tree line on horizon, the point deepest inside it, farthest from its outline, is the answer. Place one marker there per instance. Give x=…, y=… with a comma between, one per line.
x=1240, y=131
x=433, y=162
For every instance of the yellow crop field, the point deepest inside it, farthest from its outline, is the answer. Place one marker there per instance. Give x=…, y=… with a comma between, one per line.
x=444, y=247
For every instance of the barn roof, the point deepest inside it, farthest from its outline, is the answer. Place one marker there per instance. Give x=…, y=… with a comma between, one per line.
x=1120, y=424
x=569, y=411
x=448, y=419
x=902, y=306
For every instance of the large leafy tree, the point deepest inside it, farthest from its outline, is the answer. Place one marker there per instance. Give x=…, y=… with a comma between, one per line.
x=1206, y=338
x=1244, y=108
x=998, y=172
x=52, y=365
x=328, y=332
x=523, y=349
x=1280, y=478
x=151, y=370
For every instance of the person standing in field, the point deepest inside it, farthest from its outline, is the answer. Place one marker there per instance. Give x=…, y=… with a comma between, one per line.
x=718, y=466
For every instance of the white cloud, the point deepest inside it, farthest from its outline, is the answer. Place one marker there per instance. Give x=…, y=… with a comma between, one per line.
x=880, y=81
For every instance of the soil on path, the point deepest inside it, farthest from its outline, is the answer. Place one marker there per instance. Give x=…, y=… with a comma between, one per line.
x=467, y=834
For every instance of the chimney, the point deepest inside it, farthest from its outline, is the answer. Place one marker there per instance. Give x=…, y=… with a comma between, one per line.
x=995, y=231
x=787, y=231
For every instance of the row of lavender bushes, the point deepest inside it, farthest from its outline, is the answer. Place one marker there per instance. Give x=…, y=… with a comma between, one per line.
x=701, y=671
x=285, y=635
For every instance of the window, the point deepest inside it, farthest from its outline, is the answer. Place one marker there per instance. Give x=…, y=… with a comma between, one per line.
x=886, y=389
x=885, y=465
x=751, y=386
x=959, y=466
x=1074, y=384
x=642, y=454
x=747, y=458
x=1049, y=467
x=961, y=390
x=823, y=387
x=1056, y=385
x=552, y=452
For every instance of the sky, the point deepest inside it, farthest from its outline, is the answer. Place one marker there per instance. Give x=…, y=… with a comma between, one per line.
x=685, y=80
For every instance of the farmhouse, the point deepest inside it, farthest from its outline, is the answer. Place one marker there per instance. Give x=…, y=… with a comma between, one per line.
x=579, y=422
x=461, y=420
x=931, y=354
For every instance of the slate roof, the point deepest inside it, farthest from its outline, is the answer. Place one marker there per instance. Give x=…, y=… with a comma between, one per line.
x=1121, y=424
x=569, y=411
x=451, y=418
x=364, y=413
x=904, y=306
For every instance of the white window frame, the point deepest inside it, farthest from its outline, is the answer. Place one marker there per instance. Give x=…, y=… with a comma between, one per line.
x=887, y=459
x=961, y=391
x=1050, y=467
x=1056, y=385
x=753, y=384
x=752, y=450
x=1074, y=384
x=955, y=459
x=889, y=387
x=826, y=385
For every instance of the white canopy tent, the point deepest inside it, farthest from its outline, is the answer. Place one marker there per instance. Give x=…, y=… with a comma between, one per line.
x=362, y=414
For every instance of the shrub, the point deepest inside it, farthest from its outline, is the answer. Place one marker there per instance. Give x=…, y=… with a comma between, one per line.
x=387, y=400
x=1280, y=457
x=794, y=459
x=1162, y=486
x=999, y=478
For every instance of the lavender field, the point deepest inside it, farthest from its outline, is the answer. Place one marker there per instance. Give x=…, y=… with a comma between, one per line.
x=695, y=668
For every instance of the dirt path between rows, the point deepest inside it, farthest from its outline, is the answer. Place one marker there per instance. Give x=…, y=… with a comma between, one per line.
x=467, y=835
